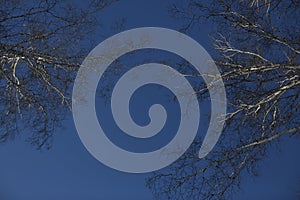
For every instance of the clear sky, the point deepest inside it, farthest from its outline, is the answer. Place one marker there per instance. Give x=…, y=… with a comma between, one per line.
x=68, y=171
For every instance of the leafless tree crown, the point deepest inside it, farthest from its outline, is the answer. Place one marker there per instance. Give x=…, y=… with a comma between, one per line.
x=41, y=48
x=258, y=49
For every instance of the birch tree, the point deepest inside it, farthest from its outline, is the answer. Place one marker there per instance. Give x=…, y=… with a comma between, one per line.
x=41, y=50
x=257, y=45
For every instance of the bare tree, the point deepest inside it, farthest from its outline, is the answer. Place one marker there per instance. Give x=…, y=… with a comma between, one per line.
x=258, y=45
x=40, y=53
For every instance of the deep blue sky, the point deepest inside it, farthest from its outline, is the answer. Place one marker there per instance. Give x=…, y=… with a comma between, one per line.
x=68, y=171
